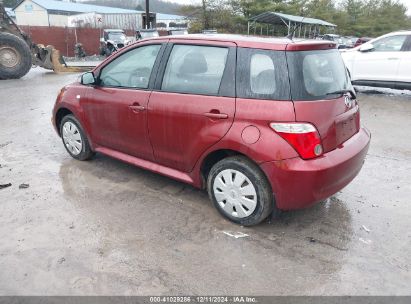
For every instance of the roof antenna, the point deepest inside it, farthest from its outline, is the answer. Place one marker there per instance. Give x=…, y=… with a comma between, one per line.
x=291, y=35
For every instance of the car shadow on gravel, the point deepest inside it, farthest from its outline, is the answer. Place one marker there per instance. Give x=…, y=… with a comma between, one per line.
x=103, y=178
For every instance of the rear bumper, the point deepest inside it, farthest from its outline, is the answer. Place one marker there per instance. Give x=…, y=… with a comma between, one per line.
x=299, y=183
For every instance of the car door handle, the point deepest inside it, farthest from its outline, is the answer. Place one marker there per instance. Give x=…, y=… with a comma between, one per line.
x=136, y=108
x=216, y=115
x=393, y=58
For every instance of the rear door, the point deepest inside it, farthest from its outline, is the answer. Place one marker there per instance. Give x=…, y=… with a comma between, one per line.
x=315, y=78
x=193, y=105
x=382, y=62
x=404, y=71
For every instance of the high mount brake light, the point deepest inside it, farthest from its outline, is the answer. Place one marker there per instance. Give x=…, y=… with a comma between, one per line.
x=303, y=137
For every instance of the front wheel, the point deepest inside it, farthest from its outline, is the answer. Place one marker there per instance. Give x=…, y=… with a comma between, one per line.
x=74, y=139
x=240, y=191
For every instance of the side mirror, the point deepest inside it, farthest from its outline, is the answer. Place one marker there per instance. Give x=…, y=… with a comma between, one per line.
x=88, y=78
x=366, y=47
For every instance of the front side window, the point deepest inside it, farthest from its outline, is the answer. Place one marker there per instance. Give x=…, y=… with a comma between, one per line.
x=131, y=69
x=389, y=44
x=195, y=69
x=317, y=74
x=262, y=74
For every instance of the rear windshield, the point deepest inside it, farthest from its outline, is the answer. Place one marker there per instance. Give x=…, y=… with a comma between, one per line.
x=317, y=74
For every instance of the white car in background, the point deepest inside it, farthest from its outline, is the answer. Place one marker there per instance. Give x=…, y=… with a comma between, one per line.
x=382, y=62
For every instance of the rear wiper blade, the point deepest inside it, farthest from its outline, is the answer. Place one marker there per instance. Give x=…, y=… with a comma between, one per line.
x=342, y=92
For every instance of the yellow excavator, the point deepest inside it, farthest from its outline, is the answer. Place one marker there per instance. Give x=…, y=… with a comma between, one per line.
x=18, y=53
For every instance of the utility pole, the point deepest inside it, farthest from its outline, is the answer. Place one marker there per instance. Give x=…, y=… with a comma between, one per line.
x=205, y=17
x=147, y=14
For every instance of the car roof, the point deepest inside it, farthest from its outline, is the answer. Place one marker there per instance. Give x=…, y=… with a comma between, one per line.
x=114, y=30
x=258, y=42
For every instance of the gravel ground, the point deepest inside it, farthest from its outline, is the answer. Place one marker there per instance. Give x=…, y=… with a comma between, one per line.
x=106, y=228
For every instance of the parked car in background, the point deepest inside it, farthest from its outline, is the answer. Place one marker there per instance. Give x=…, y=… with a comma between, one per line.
x=334, y=38
x=362, y=40
x=262, y=124
x=112, y=40
x=177, y=32
x=382, y=62
x=146, y=33
x=349, y=41
x=210, y=31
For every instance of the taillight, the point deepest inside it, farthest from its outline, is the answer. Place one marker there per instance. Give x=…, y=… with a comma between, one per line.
x=303, y=137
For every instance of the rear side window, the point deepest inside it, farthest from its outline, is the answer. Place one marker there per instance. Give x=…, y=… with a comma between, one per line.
x=262, y=74
x=195, y=69
x=317, y=74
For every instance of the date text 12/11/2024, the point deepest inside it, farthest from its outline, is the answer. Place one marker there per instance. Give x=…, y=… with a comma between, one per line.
x=203, y=299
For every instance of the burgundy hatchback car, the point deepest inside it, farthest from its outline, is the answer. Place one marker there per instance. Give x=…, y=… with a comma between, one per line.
x=262, y=124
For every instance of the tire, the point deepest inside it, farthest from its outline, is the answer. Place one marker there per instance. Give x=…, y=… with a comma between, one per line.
x=108, y=50
x=102, y=51
x=71, y=131
x=15, y=57
x=238, y=168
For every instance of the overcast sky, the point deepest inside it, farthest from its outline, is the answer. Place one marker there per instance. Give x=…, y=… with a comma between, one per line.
x=406, y=2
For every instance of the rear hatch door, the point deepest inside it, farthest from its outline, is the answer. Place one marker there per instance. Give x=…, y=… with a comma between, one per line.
x=323, y=95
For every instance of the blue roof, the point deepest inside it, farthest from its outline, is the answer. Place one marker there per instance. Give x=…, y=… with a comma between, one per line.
x=160, y=16
x=80, y=7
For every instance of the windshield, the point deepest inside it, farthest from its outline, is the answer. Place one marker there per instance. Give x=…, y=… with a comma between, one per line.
x=116, y=36
x=149, y=34
x=316, y=74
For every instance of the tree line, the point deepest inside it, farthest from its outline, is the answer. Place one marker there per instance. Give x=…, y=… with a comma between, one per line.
x=370, y=18
x=353, y=17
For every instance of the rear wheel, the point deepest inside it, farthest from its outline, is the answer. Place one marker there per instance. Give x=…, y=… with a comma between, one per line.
x=240, y=191
x=15, y=57
x=74, y=139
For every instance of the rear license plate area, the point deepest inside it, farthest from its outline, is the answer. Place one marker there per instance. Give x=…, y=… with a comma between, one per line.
x=347, y=125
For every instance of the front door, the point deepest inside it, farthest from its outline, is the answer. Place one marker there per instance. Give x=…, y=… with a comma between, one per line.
x=116, y=108
x=189, y=112
x=382, y=62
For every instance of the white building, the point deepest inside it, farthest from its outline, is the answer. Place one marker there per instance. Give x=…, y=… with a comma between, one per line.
x=60, y=13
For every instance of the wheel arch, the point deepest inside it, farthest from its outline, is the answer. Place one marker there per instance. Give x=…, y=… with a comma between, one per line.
x=60, y=114
x=214, y=157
